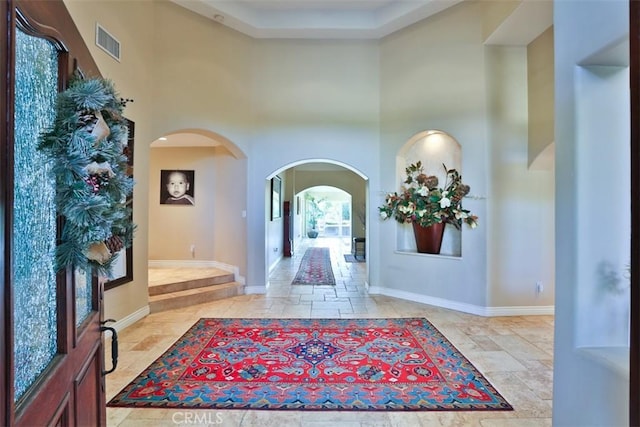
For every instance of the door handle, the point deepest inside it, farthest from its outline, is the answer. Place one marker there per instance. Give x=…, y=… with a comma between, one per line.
x=114, y=345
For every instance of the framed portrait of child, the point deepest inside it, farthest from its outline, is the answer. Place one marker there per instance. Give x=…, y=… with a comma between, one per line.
x=177, y=187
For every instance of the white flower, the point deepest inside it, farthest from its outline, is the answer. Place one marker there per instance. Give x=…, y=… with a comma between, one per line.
x=423, y=191
x=383, y=215
x=444, y=202
x=473, y=224
x=406, y=209
x=421, y=213
x=461, y=214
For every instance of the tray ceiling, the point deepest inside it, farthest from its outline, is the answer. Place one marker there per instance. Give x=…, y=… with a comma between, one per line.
x=335, y=19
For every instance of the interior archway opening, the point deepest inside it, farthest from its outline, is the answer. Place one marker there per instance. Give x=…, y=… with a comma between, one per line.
x=197, y=186
x=326, y=213
x=324, y=206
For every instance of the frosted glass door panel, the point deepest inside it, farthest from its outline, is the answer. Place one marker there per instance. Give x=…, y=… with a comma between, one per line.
x=34, y=222
x=83, y=285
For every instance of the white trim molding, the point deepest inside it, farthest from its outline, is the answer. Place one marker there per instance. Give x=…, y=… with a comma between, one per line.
x=189, y=263
x=132, y=318
x=255, y=289
x=275, y=263
x=464, y=307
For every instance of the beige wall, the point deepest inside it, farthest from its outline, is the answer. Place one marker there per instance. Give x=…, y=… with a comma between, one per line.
x=183, y=73
x=202, y=74
x=540, y=90
x=312, y=100
x=131, y=78
x=432, y=77
x=494, y=13
x=282, y=102
x=213, y=224
x=315, y=83
x=438, y=74
x=520, y=212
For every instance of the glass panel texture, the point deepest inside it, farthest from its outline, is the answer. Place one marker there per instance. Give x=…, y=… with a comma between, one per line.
x=34, y=228
x=83, y=295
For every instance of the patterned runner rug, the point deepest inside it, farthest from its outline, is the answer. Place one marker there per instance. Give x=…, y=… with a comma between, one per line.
x=315, y=268
x=312, y=364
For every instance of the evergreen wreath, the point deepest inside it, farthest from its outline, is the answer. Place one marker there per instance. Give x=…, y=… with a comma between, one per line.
x=86, y=146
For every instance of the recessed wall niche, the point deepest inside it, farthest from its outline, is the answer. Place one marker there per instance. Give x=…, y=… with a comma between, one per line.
x=434, y=148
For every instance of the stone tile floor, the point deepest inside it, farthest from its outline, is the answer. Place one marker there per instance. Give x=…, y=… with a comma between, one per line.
x=514, y=353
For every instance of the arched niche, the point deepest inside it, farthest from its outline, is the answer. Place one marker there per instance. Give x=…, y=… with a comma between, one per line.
x=434, y=148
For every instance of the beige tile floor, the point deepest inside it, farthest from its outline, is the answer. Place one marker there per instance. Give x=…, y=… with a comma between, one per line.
x=514, y=353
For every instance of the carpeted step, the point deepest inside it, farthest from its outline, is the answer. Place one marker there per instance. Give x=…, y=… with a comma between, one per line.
x=188, y=279
x=185, y=298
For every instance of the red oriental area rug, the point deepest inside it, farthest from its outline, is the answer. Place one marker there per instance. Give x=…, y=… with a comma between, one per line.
x=312, y=364
x=315, y=268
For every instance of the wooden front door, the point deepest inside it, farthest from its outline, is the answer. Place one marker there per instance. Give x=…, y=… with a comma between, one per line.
x=52, y=351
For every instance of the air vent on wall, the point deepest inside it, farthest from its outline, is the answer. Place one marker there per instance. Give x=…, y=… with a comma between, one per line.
x=107, y=42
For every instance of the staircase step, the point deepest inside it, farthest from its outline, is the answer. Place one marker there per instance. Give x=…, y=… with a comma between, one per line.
x=185, y=298
x=183, y=279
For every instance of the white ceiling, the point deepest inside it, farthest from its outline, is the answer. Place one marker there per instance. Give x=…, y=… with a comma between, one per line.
x=336, y=19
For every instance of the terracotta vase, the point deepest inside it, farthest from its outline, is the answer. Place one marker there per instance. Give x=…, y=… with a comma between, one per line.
x=429, y=239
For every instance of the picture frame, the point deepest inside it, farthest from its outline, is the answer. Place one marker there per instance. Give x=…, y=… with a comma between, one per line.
x=276, y=197
x=184, y=180
x=122, y=271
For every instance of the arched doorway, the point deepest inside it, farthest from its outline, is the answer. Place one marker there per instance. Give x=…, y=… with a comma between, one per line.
x=325, y=213
x=206, y=231
x=338, y=190
x=195, y=231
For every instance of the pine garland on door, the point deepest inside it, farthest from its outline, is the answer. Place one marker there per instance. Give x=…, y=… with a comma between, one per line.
x=86, y=146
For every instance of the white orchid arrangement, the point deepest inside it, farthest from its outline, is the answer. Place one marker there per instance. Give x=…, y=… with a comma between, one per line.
x=421, y=201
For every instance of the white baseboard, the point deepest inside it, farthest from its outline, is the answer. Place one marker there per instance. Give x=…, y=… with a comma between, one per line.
x=131, y=318
x=193, y=263
x=275, y=263
x=255, y=289
x=464, y=307
x=525, y=310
